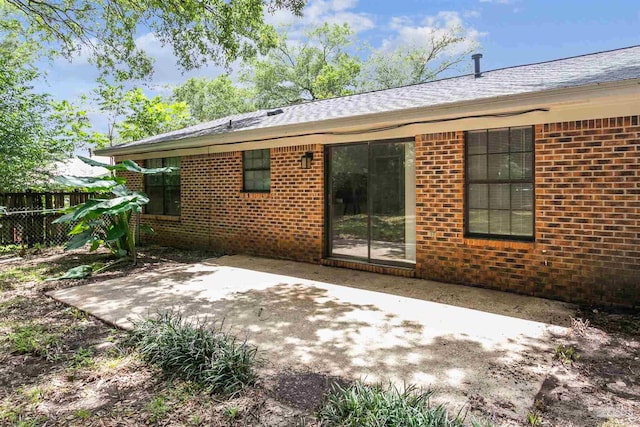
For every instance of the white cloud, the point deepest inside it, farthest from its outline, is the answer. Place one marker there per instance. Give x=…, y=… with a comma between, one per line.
x=471, y=14
x=412, y=33
x=319, y=11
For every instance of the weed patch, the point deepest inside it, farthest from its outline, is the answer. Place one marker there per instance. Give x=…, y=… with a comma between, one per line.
x=14, y=275
x=566, y=355
x=157, y=409
x=375, y=405
x=35, y=340
x=210, y=357
x=81, y=358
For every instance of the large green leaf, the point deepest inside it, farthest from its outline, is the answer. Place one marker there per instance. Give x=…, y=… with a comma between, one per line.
x=68, y=217
x=116, y=232
x=121, y=190
x=79, y=228
x=90, y=183
x=93, y=208
x=127, y=165
x=79, y=272
x=79, y=240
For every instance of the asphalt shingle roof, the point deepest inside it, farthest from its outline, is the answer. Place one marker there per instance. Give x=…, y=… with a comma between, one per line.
x=602, y=67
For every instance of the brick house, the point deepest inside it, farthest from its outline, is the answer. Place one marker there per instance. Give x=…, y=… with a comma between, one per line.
x=525, y=179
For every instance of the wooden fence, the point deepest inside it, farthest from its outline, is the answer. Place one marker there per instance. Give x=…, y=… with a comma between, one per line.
x=29, y=217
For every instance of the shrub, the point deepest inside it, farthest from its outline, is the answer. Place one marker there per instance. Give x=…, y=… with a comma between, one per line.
x=375, y=405
x=207, y=356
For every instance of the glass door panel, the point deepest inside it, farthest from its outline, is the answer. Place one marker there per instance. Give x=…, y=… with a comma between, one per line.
x=371, y=188
x=349, y=166
x=392, y=202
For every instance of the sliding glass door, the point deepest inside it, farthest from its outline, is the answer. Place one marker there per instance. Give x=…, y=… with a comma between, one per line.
x=371, y=201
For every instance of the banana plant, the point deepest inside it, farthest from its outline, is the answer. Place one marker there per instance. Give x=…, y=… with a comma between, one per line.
x=105, y=218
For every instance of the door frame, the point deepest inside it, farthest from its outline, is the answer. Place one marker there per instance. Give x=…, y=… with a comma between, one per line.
x=328, y=206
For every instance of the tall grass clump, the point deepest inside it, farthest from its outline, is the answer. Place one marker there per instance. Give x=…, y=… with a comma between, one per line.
x=378, y=406
x=207, y=356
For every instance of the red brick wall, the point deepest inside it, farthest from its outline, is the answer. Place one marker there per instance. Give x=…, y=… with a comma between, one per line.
x=587, y=246
x=287, y=222
x=587, y=242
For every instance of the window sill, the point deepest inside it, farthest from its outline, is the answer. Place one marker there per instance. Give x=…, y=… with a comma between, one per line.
x=499, y=244
x=255, y=194
x=161, y=217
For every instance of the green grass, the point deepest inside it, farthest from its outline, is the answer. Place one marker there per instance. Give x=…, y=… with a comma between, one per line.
x=157, y=409
x=209, y=357
x=34, y=339
x=385, y=227
x=11, y=276
x=14, y=416
x=81, y=358
x=15, y=304
x=377, y=406
x=83, y=414
x=4, y=249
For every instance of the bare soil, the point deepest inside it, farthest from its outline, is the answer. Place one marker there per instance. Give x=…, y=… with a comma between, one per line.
x=88, y=378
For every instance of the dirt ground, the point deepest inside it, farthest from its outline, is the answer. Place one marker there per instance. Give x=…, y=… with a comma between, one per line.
x=84, y=376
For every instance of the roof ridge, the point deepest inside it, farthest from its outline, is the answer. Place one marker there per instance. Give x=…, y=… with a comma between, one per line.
x=313, y=101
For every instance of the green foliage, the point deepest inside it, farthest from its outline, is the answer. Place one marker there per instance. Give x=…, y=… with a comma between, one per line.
x=207, y=356
x=443, y=50
x=106, y=30
x=28, y=273
x=75, y=273
x=81, y=358
x=34, y=339
x=32, y=128
x=209, y=99
x=566, y=355
x=375, y=405
x=106, y=219
x=157, y=409
x=319, y=67
x=231, y=412
x=325, y=64
x=72, y=126
x=83, y=414
x=132, y=116
x=534, y=419
x=147, y=117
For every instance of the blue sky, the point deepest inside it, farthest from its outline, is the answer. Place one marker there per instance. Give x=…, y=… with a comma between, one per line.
x=510, y=32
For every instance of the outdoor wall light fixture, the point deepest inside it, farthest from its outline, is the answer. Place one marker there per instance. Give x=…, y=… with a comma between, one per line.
x=305, y=161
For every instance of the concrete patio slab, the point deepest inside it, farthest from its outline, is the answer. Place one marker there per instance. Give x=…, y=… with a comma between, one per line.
x=467, y=343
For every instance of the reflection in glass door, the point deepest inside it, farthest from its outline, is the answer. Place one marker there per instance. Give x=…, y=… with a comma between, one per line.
x=371, y=189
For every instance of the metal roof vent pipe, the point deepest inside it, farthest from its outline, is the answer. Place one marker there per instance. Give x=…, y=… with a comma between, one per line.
x=476, y=60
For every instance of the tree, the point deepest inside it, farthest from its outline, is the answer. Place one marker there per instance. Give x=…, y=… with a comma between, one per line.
x=132, y=116
x=33, y=130
x=443, y=51
x=209, y=99
x=110, y=99
x=147, y=117
x=316, y=68
x=105, y=219
x=198, y=31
